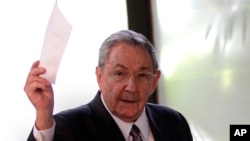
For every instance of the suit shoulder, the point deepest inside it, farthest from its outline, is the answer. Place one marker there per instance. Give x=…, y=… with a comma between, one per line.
x=165, y=112
x=161, y=108
x=80, y=112
x=169, y=119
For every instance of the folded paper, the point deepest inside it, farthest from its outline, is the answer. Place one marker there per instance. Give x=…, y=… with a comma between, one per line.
x=55, y=41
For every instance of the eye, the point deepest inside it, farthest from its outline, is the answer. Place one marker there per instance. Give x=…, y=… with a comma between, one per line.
x=143, y=75
x=119, y=73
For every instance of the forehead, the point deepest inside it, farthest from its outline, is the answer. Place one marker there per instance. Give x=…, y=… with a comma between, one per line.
x=130, y=56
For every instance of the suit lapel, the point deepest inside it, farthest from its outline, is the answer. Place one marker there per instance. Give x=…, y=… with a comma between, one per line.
x=106, y=127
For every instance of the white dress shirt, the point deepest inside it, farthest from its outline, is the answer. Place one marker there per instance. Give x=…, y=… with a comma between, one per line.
x=141, y=123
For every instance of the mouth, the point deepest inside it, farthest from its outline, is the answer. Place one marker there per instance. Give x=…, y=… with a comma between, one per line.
x=129, y=101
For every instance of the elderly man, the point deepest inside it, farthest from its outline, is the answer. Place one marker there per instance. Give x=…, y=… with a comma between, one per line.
x=127, y=74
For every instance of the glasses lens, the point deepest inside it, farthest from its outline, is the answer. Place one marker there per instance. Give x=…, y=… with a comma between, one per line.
x=141, y=77
x=144, y=77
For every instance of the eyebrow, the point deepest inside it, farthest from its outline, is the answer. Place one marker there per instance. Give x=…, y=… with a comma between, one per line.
x=123, y=67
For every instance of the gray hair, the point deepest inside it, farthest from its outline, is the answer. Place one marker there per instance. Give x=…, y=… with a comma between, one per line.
x=126, y=36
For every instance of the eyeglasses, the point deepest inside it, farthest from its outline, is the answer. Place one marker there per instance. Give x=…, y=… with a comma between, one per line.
x=142, y=78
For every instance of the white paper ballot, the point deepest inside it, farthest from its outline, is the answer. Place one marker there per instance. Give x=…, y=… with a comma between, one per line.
x=56, y=38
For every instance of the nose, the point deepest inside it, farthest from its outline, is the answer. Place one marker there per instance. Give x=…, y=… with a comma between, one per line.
x=131, y=85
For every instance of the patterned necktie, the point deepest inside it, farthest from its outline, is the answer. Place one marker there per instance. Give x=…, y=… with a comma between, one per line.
x=135, y=133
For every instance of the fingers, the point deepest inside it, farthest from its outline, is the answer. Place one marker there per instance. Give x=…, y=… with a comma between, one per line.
x=34, y=82
x=35, y=69
x=35, y=64
x=40, y=92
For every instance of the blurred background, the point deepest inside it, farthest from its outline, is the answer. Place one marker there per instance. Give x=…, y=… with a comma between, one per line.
x=202, y=46
x=205, y=59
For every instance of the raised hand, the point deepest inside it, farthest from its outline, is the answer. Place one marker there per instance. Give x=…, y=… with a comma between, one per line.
x=40, y=94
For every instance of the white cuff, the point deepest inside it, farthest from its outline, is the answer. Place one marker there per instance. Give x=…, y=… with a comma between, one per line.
x=44, y=135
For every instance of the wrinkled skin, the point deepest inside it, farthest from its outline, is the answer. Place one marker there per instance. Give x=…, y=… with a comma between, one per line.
x=126, y=99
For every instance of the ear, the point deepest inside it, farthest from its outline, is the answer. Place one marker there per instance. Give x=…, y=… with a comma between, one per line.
x=98, y=74
x=156, y=79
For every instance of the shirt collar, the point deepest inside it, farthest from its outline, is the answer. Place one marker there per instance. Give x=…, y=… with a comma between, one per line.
x=125, y=127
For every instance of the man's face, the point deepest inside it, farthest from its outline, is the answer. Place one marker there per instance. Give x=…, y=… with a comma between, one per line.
x=127, y=80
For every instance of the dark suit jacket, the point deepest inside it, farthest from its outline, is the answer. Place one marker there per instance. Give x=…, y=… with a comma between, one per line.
x=92, y=122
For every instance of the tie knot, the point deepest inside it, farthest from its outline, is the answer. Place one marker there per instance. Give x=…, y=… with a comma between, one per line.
x=135, y=133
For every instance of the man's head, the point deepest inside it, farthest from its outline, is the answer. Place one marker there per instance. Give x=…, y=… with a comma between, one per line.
x=127, y=73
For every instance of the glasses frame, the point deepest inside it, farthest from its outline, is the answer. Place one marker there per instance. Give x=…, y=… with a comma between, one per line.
x=122, y=76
